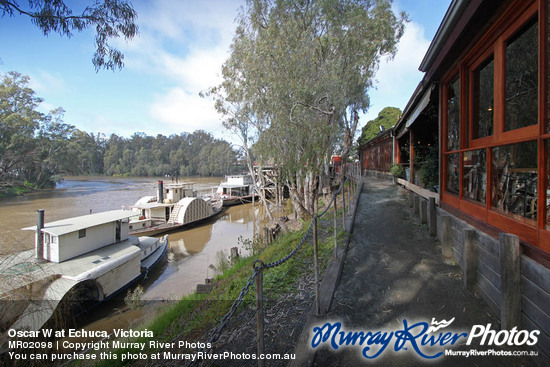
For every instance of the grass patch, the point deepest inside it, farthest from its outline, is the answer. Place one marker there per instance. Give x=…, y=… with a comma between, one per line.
x=194, y=316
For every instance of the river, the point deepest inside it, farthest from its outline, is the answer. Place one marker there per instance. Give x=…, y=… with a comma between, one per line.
x=192, y=251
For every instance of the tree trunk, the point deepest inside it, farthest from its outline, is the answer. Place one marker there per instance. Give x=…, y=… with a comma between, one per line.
x=298, y=206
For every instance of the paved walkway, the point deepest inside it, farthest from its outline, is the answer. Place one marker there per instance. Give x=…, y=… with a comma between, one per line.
x=394, y=271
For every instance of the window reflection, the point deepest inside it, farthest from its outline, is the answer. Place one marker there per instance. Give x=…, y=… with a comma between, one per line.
x=483, y=99
x=522, y=78
x=452, y=182
x=453, y=114
x=475, y=175
x=514, y=179
x=547, y=146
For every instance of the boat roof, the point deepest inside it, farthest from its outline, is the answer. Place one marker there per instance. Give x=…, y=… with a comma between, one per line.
x=69, y=225
x=177, y=185
x=150, y=205
x=232, y=186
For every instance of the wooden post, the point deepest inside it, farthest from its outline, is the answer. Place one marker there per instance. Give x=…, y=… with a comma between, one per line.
x=234, y=254
x=411, y=199
x=432, y=217
x=411, y=157
x=423, y=211
x=510, y=276
x=470, y=258
x=447, y=243
x=416, y=204
x=267, y=237
x=260, y=314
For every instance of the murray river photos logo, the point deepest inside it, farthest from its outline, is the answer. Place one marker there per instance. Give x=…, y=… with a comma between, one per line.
x=427, y=340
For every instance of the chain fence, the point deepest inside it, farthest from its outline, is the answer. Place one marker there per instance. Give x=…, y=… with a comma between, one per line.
x=259, y=267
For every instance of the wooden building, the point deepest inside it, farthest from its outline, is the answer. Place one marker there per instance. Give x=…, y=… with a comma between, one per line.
x=377, y=155
x=485, y=93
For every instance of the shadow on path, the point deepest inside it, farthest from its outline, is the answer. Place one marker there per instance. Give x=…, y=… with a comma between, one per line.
x=394, y=271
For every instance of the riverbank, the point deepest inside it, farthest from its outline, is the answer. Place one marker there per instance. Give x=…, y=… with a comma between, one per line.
x=10, y=190
x=287, y=288
x=289, y=293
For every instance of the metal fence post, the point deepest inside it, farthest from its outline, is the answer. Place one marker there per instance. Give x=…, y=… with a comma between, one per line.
x=260, y=310
x=343, y=206
x=315, y=261
x=335, y=226
x=350, y=191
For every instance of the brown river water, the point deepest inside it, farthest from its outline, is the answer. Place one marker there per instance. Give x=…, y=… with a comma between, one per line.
x=191, y=252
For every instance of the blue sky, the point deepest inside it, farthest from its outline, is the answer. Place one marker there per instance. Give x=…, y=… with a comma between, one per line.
x=179, y=53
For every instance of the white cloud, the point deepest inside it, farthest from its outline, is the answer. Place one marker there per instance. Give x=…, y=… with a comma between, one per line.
x=397, y=78
x=46, y=83
x=404, y=66
x=181, y=111
x=182, y=46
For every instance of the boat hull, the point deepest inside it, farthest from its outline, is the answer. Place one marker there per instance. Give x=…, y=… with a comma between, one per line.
x=168, y=227
x=115, y=268
x=238, y=200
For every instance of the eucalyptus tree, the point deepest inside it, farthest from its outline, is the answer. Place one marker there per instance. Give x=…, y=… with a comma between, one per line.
x=109, y=18
x=298, y=74
x=19, y=118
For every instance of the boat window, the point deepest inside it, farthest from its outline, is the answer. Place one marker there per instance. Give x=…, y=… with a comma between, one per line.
x=82, y=233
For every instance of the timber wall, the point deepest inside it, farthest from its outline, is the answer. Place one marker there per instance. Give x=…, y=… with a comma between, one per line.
x=534, y=282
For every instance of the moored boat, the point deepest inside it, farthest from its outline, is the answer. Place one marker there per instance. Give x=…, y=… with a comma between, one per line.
x=237, y=189
x=175, y=206
x=87, y=259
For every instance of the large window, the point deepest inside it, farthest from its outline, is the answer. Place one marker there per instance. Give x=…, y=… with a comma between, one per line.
x=483, y=100
x=453, y=114
x=475, y=175
x=522, y=78
x=452, y=183
x=514, y=180
x=496, y=154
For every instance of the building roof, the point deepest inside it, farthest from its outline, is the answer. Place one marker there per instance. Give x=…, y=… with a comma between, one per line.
x=69, y=225
x=454, y=12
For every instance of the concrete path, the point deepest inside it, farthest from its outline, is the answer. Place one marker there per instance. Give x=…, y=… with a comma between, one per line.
x=394, y=271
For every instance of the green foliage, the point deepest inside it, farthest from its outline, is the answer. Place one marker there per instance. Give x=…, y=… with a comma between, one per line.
x=134, y=299
x=39, y=148
x=298, y=74
x=397, y=171
x=428, y=160
x=108, y=18
x=186, y=154
x=222, y=261
x=387, y=118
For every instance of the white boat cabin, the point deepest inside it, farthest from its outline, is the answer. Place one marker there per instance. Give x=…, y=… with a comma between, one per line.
x=68, y=238
x=236, y=185
x=174, y=192
x=154, y=210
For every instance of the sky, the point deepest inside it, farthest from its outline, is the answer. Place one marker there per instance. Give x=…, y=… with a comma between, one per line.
x=178, y=53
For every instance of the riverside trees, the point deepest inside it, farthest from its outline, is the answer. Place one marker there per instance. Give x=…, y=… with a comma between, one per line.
x=37, y=148
x=298, y=74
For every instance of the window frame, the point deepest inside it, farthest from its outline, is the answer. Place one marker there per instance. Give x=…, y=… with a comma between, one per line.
x=494, y=42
